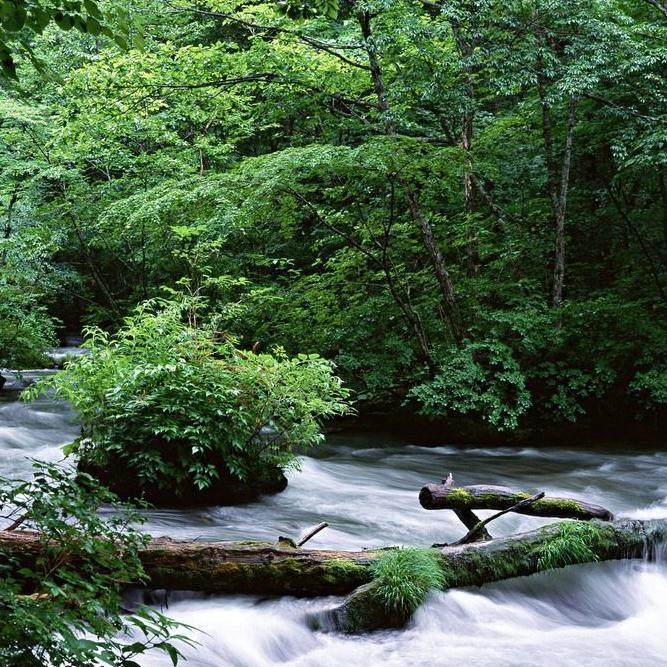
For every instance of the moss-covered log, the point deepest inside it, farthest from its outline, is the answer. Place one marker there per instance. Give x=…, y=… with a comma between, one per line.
x=261, y=568
x=550, y=547
x=486, y=497
x=281, y=569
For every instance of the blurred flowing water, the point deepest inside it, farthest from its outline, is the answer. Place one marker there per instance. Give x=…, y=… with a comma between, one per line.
x=365, y=485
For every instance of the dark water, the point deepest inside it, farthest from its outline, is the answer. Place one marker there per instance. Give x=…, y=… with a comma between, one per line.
x=365, y=486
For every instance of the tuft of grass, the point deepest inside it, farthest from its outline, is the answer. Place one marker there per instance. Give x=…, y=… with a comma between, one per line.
x=572, y=544
x=405, y=576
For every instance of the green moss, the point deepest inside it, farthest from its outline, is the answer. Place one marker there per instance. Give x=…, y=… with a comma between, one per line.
x=343, y=570
x=564, y=505
x=286, y=543
x=459, y=495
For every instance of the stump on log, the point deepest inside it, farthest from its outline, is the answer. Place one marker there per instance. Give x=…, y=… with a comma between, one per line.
x=486, y=497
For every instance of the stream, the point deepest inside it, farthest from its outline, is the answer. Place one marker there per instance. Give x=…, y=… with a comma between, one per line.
x=365, y=485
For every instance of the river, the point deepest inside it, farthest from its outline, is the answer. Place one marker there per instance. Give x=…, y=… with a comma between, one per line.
x=365, y=485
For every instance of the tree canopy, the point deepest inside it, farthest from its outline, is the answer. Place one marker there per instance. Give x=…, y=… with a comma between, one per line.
x=462, y=205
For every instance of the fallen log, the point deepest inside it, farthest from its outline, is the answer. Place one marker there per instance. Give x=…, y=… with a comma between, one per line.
x=486, y=497
x=476, y=532
x=263, y=568
x=260, y=568
x=480, y=563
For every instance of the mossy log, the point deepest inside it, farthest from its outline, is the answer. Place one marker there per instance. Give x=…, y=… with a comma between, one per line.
x=259, y=568
x=486, y=497
x=480, y=563
x=263, y=568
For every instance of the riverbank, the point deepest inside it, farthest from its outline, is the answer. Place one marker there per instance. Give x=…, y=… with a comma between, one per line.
x=600, y=426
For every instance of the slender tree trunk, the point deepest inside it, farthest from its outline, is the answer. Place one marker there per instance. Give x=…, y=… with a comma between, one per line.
x=662, y=182
x=466, y=49
x=437, y=260
x=97, y=277
x=384, y=263
x=450, y=305
x=660, y=5
x=634, y=231
x=559, y=213
x=8, y=221
x=413, y=320
x=557, y=189
x=472, y=202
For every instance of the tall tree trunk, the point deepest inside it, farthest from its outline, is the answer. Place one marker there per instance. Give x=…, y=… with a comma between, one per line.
x=85, y=251
x=662, y=182
x=413, y=320
x=7, y=232
x=450, y=305
x=472, y=202
x=400, y=295
x=466, y=49
x=559, y=213
x=557, y=189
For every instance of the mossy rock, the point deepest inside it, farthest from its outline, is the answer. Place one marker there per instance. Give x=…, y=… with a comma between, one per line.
x=227, y=490
x=361, y=611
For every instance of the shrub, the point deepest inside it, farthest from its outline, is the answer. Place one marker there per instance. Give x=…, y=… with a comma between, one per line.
x=26, y=330
x=479, y=379
x=65, y=608
x=180, y=405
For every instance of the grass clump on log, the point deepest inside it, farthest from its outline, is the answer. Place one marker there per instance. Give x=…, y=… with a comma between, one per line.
x=404, y=577
x=572, y=544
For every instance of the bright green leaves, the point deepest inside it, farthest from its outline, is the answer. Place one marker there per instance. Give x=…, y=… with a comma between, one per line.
x=244, y=150
x=20, y=18
x=181, y=405
x=65, y=608
x=302, y=9
x=480, y=379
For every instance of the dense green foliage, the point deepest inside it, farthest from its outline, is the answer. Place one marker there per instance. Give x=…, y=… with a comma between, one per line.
x=176, y=403
x=20, y=19
x=462, y=205
x=66, y=608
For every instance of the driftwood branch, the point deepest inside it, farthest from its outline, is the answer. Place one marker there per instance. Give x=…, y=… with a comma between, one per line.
x=485, y=497
x=311, y=533
x=17, y=523
x=474, y=533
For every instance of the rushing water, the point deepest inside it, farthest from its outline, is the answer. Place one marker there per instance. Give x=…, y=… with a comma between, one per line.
x=365, y=486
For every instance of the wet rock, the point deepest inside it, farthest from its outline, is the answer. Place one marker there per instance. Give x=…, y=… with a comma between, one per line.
x=227, y=490
x=361, y=611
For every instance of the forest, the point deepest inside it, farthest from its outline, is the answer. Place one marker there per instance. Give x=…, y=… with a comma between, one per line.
x=263, y=222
